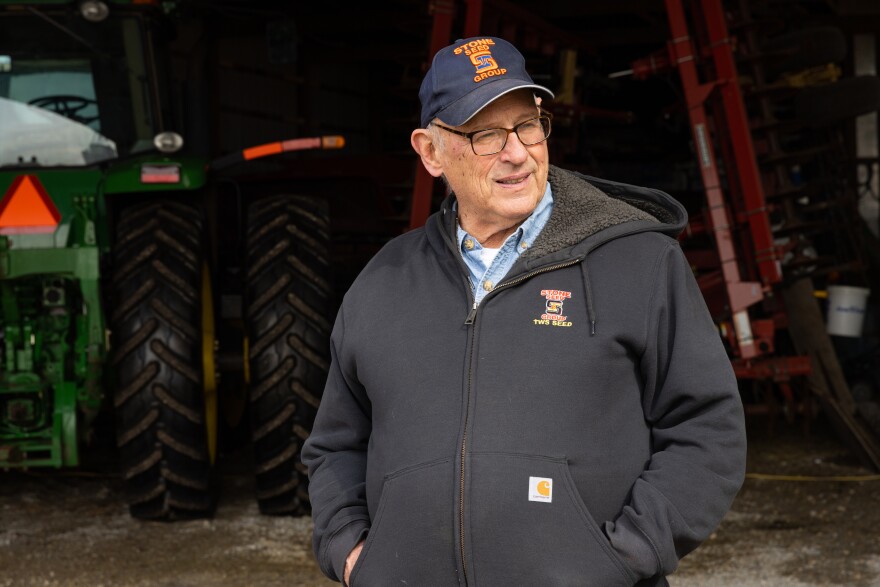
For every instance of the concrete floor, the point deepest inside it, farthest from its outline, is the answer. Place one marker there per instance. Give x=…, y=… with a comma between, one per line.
x=71, y=528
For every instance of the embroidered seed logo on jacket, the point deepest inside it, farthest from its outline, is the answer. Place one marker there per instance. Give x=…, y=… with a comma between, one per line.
x=553, y=308
x=481, y=58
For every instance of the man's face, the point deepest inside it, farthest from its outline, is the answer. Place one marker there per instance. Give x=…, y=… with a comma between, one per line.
x=503, y=189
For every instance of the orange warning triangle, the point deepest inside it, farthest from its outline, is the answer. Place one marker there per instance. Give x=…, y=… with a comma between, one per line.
x=27, y=208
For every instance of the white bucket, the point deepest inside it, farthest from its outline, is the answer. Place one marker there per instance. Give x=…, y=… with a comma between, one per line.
x=846, y=310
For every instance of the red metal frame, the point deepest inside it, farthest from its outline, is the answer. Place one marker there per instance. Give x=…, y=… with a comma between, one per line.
x=740, y=294
x=778, y=369
x=473, y=18
x=747, y=173
x=753, y=343
x=443, y=12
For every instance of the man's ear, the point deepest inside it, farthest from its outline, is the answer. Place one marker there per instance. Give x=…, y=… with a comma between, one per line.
x=423, y=143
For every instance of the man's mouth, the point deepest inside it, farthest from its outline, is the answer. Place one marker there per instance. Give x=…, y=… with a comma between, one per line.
x=514, y=180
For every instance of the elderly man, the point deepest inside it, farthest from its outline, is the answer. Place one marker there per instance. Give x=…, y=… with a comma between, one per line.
x=529, y=390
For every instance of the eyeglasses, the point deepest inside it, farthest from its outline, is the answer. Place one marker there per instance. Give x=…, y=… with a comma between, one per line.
x=489, y=141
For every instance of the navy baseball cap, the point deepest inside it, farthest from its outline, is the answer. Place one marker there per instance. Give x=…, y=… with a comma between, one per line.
x=468, y=75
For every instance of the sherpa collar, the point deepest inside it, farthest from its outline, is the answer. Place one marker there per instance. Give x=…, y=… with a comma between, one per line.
x=580, y=210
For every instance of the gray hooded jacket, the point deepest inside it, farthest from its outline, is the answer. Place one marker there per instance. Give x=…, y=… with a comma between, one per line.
x=581, y=427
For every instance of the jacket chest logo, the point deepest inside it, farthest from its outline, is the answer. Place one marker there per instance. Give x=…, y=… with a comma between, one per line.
x=554, y=313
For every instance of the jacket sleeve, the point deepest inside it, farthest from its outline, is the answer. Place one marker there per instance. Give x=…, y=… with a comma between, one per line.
x=692, y=403
x=336, y=456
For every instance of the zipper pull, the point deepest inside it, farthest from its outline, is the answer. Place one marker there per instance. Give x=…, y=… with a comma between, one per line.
x=472, y=315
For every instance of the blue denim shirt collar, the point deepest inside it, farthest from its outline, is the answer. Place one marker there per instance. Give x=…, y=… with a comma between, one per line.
x=483, y=279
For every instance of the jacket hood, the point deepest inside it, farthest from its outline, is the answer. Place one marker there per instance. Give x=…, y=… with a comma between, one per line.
x=588, y=210
x=584, y=206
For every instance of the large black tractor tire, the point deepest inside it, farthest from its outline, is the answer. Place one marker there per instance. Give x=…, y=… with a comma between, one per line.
x=289, y=300
x=799, y=50
x=162, y=424
x=837, y=102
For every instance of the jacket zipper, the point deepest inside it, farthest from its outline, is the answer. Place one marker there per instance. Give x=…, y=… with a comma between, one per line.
x=536, y=272
x=471, y=318
x=467, y=414
x=472, y=315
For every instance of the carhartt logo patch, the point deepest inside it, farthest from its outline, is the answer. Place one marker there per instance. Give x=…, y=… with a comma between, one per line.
x=540, y=489
x=554, y=315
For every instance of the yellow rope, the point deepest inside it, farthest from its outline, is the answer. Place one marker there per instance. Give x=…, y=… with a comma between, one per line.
x=853, y=478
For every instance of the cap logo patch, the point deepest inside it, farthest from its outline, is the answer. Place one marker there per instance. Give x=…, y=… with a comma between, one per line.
x=481, y=58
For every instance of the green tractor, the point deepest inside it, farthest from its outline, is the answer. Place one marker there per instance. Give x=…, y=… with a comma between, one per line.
x=111, y=244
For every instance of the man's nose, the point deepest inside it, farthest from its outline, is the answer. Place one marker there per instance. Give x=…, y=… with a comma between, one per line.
x=514, y=151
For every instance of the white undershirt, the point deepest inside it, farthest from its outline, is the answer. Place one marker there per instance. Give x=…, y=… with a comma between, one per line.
x=488, y=255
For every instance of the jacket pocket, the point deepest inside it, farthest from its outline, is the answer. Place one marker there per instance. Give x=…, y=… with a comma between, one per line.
x=529, y=526
x=411, y=539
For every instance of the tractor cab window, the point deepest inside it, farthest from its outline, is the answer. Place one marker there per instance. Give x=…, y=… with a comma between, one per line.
x=75, y=94
x=72, y=85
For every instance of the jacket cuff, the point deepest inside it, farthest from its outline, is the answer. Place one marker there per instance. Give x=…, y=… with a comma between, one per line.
x=633, y=547
x=343, y=543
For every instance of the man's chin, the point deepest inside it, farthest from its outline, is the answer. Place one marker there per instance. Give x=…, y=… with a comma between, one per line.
x=514, y=216
x=516, y=204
